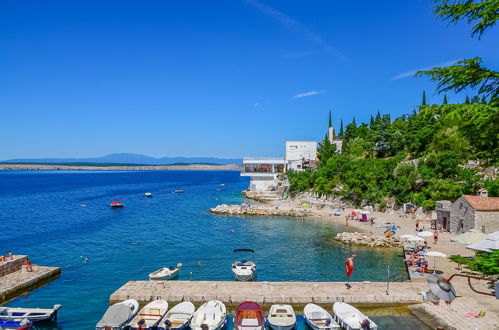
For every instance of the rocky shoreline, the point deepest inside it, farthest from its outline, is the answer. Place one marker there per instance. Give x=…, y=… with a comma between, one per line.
x=367, y=240
x=259, y=210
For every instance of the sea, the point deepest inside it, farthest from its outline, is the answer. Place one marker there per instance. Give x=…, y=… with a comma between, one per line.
x=63, y=218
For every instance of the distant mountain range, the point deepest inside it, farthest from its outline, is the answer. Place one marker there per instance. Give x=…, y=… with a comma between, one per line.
x=129, y=159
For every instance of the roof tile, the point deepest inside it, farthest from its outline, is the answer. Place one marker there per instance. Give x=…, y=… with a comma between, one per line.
x=483, y=203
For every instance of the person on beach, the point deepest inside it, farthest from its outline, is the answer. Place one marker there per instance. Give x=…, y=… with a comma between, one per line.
x=349, y=266
x=346, y=220
x=11, y=256
x=435, y=236
x=417, y=225
x=459, y=267
x=28, y=265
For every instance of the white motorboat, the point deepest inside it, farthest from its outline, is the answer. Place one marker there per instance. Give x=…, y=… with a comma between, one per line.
x=210, y=316
x=178, y=317
x=318, y=318
x=165, y=273
x=350, y=318
x=148, y=194
x=281, y=317
x=118, y=315
x=149, y=316
x=244, y=270
x=31, y=314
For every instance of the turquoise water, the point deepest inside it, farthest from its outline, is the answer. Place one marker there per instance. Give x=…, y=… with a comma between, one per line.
x=41, y=215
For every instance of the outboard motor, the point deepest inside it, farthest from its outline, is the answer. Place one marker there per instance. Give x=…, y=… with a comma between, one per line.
x=168, y=324
x=366, y=325
x=204, y=326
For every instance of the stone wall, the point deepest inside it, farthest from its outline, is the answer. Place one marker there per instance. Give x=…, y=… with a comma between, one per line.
x=462, y=216
x=367, y=240
x=12, y=266
x=261, y=210
x=488, y=219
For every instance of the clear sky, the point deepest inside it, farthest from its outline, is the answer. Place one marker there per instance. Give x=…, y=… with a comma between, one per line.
x=218, y=78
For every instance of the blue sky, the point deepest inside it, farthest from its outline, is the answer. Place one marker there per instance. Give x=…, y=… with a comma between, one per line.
x=220, y=78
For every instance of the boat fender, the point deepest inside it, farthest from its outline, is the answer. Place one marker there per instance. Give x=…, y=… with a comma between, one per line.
x=168, y=324
x=204, y=326
x=366, y=325
x=141, y=323
x=328, y=322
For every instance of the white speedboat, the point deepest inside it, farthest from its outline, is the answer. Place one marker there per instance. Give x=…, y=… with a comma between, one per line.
x=210, y=316
x=318, y=318
x=178, y=317
x=281, y=317
x=244, y=270
x=148, y=194
x=30, y=314
x=118, y=315
x=149, y=316
x=165, y=273
x=350, y=318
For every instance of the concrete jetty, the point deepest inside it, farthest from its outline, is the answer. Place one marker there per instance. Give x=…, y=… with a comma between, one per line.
x=15, y=280
x=363, y=294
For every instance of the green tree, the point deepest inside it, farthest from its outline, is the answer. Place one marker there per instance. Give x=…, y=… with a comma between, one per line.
x=330, y=121
x=483, y=14
x=445, y=99
x=325, y=150
x=484, y=262
x=423, y=101
x=341, y=130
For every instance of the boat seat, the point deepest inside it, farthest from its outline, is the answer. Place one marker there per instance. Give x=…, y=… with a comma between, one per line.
x=249, y=322
x=209, y=316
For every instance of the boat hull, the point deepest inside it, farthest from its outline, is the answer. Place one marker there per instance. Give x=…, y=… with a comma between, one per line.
x=281, y=327
x=338, y=311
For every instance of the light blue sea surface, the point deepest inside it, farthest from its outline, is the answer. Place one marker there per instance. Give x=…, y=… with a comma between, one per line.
x=40, y=215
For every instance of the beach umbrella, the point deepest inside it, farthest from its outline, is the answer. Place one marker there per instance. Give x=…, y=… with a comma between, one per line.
x=469, y=237
x=390, y=233
x=425, y=234
x=435, y=254
x=491, y=242
x=441, y=288
x=414, y=238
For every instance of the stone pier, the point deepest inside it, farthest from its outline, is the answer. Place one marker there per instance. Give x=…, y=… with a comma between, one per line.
x=362, y=294
x=15, y=280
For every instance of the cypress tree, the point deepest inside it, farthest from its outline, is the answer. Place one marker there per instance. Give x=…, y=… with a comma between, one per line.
x=354, y=123
x=423, y=102
x=467, y=101
x=341, y=130
x=330, y=121
x=371, y=122
x=445, y=99
x=484, y=100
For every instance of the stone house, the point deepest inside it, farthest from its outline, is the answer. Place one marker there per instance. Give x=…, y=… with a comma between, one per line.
x=442, y=209
x=472, y=212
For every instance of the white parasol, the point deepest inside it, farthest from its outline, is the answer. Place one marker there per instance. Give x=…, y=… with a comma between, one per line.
x=425, y=234
x=435, y=254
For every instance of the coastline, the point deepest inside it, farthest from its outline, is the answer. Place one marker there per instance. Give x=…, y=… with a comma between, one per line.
x=57, y=167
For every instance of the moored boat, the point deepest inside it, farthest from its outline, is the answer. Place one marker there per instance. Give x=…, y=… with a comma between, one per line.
x=165, y=273
x=148, y=194
x=117, y=315
x=318, y=318
x=18, y=314
x=249, y=316
x=179, y=191
x=211, y=315
x=178, y=318
x=149, y=316
x=244, y=270
x=23, y=324
x=350, y=318
x=281, y=317
x=117, y=203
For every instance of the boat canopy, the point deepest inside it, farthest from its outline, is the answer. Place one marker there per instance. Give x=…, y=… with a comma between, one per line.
x=115, y=316
x=244, y=250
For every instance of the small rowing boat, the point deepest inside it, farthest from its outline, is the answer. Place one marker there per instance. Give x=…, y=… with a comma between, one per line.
x=165, y=273
x=318, y=318
x=118, y=315
x=117, y=203
x=178, y=317
x=148, y=194
x=211, y=315
x=281, y=317
x=179, y=191
x=244, y=270
x=249, y=316
x=18, y=314
x=149, y=316
x=350, y=318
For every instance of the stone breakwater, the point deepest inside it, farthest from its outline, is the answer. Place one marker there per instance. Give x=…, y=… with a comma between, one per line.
x=259, y=210
x=367, y=240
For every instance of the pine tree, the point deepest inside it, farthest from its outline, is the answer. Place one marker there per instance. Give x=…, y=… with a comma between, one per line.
x=341, y=130
x=484, y=100
x=423, y=102
x=371, y=122
x=330, y=121
x=445, y=99
x=354, y=123
x=467, y=101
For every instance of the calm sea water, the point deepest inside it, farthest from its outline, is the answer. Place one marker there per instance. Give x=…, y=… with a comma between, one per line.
x=41, y=216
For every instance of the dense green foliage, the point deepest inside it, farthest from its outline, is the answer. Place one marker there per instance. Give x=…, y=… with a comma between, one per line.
x=418, y=157
x=484, y=262
x=484, y=13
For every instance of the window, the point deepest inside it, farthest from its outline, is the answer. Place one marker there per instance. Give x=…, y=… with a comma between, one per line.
x=293, y=147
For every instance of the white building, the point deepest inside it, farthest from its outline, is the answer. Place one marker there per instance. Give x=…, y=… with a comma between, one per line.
x=301, y=154
x=263, y=172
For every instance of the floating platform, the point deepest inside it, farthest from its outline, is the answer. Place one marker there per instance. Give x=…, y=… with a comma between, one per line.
x=362, y=294
x=15, y=280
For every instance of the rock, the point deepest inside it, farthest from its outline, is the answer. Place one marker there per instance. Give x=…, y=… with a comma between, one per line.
x=364, y=240
x=258, y=210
